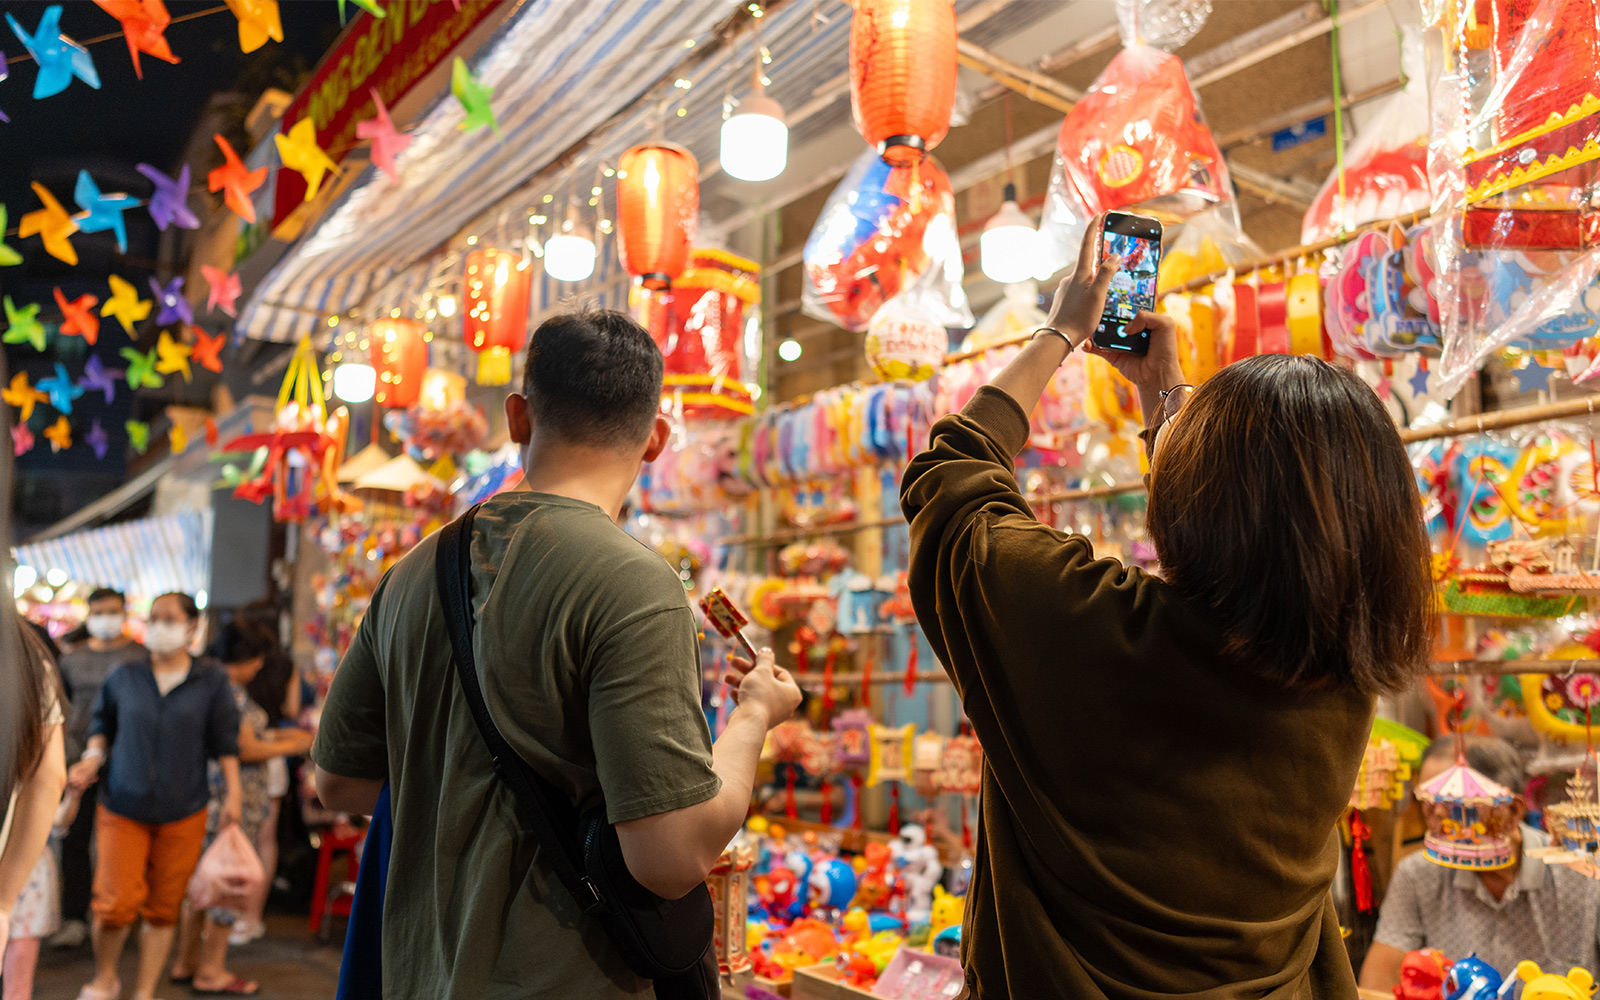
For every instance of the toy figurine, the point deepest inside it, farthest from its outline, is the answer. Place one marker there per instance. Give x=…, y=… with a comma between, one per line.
x=873, y=887
x=833, y=885
x=1422, y=975
x=1537, y=984
x=1472, y=979
x=921, y=870
x=781, y=898
x=948, y=911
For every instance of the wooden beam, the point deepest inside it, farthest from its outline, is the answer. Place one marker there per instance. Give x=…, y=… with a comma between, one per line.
x=1263, y=43
x=1033, y=85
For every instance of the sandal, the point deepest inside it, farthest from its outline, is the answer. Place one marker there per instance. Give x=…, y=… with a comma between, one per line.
x=238, y=986
x=181, y=980
x=90, y=993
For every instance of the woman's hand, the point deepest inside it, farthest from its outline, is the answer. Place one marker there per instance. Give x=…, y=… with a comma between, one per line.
x=232, y=810
x=1156, y=370
x=84, y=773
x=1081, y=296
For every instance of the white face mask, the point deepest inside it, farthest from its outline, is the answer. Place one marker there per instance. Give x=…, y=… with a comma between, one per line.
x=166, y=638
x=104, y=626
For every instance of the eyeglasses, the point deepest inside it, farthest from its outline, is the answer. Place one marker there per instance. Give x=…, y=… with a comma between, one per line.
x=1172, y=400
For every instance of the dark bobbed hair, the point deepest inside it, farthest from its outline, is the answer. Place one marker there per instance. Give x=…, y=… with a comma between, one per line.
x=1282, y=501
x=593, y=378
x=242, y=640
x=190, y=609
x=1490, y=756
x=107, y=593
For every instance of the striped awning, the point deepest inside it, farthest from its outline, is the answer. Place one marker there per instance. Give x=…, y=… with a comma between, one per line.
x=143, y=558
x=559, y=68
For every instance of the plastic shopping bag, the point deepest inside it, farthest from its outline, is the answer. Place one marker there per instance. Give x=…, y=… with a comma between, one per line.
x=229, y=874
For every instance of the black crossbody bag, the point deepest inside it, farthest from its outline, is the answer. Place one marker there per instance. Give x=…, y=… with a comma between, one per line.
x=668, y=941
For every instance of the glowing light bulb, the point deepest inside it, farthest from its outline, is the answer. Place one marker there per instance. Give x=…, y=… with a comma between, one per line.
x=755, y=141
x=1008, y=248
x=354, y=383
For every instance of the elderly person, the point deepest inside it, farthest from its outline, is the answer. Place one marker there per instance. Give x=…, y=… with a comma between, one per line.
x=1166, y=757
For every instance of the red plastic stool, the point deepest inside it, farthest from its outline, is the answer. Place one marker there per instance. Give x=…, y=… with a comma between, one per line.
x=342, y=836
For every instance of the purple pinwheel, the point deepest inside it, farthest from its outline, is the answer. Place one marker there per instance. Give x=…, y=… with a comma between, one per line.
x=174, y=304
x=169, y=205
x=97, y=439
x=98, y=376
x=3, y=75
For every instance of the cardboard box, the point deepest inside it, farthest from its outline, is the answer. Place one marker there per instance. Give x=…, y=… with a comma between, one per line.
x=821, y=982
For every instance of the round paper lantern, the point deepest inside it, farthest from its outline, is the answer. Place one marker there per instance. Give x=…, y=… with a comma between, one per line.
x=400, y=356
x=441, y=389
x=903, y=75
x=658, y=199
x=906, y=341
x=496, y=323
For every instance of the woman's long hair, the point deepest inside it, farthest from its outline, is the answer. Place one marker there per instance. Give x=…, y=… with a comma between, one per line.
x=37, y=689
x=1282, y=500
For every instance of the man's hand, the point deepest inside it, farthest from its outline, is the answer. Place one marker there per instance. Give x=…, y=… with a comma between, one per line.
x=763, y=685
x=1157, y=370
x=84, y=773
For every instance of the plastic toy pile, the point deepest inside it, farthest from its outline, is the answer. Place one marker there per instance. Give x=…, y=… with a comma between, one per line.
x=1429, y=975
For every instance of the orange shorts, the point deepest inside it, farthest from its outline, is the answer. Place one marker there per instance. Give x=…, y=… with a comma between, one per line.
x=143, y=870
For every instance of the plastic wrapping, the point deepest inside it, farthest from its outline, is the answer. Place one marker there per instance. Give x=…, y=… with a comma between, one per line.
x=1137, y=140
x=1513, y=164
x=1165, y=24
x=229, y=874
x=1379, y=301
x=885, y=230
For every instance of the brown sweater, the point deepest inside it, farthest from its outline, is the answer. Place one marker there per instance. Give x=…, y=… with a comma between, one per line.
x=1155, y=821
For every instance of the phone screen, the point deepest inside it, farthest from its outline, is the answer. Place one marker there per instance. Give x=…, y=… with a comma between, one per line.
x=1137, y=240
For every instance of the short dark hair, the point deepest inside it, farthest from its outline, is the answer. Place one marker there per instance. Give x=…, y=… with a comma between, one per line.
x=242, y=640
x=593, y=378
x=106, y=594
x=186, y=604
x=1490, y=756
x=1282, y=501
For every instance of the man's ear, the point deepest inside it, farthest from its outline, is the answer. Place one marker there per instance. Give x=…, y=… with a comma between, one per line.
x=659, y=436
x=517, y=422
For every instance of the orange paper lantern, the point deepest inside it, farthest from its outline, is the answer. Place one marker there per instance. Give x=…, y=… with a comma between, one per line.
x=658, y=199
x=903, y=75
x=497, y=288
x=399, y=356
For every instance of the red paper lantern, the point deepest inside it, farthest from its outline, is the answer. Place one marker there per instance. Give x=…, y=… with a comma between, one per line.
x=497, y=288
x=658, y=199
x=698, y=326
x=903, y=75
x=399, y=356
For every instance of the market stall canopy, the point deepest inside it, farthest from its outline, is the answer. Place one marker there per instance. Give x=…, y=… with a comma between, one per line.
x=397, y=475
x=557, y=71
x=368, y=459
x=143, y=558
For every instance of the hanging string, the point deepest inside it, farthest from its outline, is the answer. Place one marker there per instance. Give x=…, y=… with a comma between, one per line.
x=1338, y=108
x=28, y=57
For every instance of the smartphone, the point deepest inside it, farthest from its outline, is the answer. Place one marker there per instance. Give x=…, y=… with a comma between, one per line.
x=1137, y=240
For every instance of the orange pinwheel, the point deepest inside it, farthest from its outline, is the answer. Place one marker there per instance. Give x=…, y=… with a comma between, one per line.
x=143, y=22
x=53, y=225
x=78, y=318
x=235, y=182
x=207, y=351
x=59, y=434
x=23, y=396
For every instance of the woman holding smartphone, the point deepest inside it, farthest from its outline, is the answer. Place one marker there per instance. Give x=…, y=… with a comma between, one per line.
x=1166, y=758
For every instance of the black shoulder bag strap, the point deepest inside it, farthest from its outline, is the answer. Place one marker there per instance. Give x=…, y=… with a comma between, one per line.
x=453, y=573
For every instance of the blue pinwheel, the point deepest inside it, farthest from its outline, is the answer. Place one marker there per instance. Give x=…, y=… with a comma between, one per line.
x=59, y=57
x=102, y=211
x=60, y=388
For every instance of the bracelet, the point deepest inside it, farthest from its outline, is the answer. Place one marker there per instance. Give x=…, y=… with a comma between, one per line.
x=92, y=753
x=1050, y=329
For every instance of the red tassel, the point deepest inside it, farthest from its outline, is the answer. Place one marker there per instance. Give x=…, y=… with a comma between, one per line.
x=966, y=827
x=911, y=663
x=866, y=681
x=827, y=683
x=894, y=808
x=1360, y=872
x=827, y=803
x=790, y=810
x=855, y=783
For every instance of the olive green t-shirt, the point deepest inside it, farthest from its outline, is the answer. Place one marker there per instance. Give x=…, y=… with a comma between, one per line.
x=588, y=653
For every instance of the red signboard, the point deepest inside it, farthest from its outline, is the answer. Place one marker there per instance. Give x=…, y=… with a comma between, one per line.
x=389, y=54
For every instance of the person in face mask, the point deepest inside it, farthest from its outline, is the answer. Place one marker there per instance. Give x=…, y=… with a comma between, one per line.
x=84, y=670
x=160, y=721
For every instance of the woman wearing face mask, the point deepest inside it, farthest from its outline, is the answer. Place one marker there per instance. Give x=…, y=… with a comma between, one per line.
x=160, y=722
x=84, y=669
